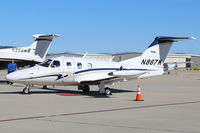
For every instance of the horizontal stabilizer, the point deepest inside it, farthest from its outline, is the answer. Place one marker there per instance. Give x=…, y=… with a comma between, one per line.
x=45, y=37
x=163, y=39
x=175, y=39
x=41, y=44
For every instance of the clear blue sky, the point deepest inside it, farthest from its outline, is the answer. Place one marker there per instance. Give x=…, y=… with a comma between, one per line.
x=98, y=26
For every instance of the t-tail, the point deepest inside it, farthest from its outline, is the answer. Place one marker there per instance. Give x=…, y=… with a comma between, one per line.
x=41, y=45
x=154, y=56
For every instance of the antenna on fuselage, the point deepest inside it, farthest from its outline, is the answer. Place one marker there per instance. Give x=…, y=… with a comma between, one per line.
x=85, y=54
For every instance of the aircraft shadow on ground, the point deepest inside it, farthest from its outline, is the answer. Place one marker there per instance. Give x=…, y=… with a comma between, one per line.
x=3, y=82
x=92, y=93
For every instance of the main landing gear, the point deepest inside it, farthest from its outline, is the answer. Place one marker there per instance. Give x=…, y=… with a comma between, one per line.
x=84, y=88
x=26, y=90
x=107, y=91
x=104, y=90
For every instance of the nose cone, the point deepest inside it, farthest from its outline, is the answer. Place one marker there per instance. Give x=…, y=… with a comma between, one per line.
x=12, y=76
x=21, y=76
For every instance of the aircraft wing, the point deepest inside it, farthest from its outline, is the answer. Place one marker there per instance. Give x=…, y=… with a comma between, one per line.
x=109, y=79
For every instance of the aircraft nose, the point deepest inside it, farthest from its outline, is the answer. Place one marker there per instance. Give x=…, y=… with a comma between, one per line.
x=12, y=76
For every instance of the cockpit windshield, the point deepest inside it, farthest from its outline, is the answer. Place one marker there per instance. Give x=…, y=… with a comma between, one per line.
x=46, y=63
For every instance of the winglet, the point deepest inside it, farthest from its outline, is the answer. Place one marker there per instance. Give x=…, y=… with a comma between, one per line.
x=85, y=54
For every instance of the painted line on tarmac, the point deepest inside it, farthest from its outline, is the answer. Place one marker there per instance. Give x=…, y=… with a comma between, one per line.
x=98, y=111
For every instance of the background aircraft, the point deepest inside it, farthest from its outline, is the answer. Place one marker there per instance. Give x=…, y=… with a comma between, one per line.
x=84, y=72
x=173, y=66
x=35, y=53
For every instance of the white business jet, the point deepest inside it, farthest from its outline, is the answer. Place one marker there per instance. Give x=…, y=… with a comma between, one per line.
x=35, y=53
x=82, y=72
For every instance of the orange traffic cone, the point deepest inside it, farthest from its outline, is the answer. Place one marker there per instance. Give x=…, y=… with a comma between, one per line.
x=139, y=94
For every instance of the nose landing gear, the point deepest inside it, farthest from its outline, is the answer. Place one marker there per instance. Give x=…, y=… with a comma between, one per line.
x=26, y=90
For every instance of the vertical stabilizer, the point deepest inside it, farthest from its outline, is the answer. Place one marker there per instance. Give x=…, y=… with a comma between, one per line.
x=154, y=56
x=157, y=52
x=42, y=44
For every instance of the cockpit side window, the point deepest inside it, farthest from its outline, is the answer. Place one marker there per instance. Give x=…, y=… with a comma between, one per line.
x=46, y=63
x=55, y=64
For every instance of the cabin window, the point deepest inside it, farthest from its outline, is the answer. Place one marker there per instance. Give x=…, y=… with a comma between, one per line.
x=69, y=65
x=46, y=63
x=55, y=64
x=79, y=65
x=89, y=65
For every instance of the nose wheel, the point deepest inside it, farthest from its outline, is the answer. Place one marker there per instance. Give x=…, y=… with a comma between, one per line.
x=26, y=90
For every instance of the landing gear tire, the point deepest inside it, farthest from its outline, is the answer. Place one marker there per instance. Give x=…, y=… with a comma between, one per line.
x=26, y=90
x=108, y=91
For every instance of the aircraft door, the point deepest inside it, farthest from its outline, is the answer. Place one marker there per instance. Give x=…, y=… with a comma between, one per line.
x=68, y=70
